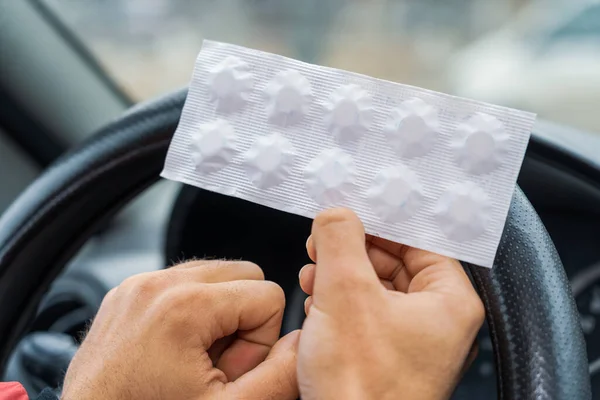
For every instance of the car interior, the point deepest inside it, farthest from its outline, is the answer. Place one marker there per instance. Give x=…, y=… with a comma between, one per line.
x=82, y=206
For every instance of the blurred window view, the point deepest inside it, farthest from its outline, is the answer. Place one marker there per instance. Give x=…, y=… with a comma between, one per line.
x=542, y=56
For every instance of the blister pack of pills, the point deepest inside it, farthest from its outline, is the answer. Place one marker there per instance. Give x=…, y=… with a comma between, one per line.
x=421, y=168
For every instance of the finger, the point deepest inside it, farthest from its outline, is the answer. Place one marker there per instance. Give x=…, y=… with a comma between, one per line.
x=307, y=304
x=216, y=350
x=415, y=259
x=423, y=270
x=389, y=267
x=397, y=249
x=307, y=278
x=387, y=284
x=241, y=356
x=434, y=273
x=391, y=247
x=310, y=249
x=342, y=260
x=274, y=378
x=215, y=271
x=251, y=309
x=388, y=259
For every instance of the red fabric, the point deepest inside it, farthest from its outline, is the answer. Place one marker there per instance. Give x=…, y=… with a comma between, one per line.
x=12, y=391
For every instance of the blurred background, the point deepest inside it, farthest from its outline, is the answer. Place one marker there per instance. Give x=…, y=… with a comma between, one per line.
x=68, y=67
x=542, y=56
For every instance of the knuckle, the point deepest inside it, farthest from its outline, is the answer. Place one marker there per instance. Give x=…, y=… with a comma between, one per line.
x=474, y=310
x=108, y=301
x=170, y=302
x=175, y=307
x=146, y=284
x=109, y=295
x=167, y=312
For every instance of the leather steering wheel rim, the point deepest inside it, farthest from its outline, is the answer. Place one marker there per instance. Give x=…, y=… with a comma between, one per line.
x=538, y=345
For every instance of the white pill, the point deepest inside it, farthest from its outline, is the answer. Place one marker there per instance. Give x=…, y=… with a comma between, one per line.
x=230, y=84
x=269, y=161
x=480, y=144
x=349, y=113
x=288, y=97
x=412, y=128
x=463, y=212
x=330, y=177
x=213, y=146
x=395, y=194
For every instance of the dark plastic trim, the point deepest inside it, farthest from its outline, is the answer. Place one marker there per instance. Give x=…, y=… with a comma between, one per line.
x=36, y=140
x=81, y=50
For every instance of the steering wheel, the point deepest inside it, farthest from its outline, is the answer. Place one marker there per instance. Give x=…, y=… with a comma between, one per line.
x=537, y=340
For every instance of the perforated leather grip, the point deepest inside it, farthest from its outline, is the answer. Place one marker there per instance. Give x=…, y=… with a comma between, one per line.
x=534, y=324
x=538, y=344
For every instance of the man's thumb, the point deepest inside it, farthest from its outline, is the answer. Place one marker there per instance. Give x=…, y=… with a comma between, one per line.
x=274, y=378
x=341, y=255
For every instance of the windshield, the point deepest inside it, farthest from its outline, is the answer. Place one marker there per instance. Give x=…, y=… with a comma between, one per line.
x=542, y=56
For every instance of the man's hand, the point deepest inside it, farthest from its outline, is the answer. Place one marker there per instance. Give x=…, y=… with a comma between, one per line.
x=385, y=321
x=201, y=330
